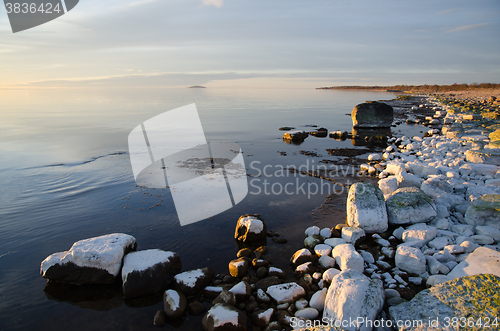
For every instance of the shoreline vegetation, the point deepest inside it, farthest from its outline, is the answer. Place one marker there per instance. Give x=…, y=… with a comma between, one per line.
x=426, y=88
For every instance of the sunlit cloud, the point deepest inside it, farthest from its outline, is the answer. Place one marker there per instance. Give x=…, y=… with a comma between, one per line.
x=468, y=27
x=216, y=3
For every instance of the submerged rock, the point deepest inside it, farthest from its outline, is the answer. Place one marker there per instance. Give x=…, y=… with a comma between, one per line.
x=372, y=114
x=148, y=272
x=352, y=295
x=90, y=261
x=366, y=208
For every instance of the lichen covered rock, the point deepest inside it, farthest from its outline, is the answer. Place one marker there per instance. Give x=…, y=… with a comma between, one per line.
x=409, y=205
x=366, y=208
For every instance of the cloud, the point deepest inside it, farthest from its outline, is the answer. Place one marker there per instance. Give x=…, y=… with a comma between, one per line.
x=216, y=3
x=468, y=27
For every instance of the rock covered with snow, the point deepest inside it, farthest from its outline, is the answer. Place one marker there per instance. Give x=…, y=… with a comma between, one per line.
x=366, y=208
x=288, y=292
x=222, y=317
x=251, y=229
x=409, y=205
x=192, y=281
x=89, y=261
x=239, y=267
x=148, y=272
x=352, y=295
x=174, y=304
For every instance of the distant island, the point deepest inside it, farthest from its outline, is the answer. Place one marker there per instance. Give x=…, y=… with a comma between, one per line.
x=197, y=86
x=416, y=88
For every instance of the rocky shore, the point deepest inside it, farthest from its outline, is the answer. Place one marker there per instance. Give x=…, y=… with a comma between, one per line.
x=419, y=249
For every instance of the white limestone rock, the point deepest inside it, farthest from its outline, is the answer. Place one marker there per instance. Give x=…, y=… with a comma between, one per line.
x=484, y=211
x=335, y=241
x=408, y=180
x=322, y=249
x=352, y=295
x=347, y=257
x=366, y=208
x=421, y=232
x=329, y=274
x=409, y=205
x=318, y=300
x=352, y=234
x=410, y=259
x=312, y=231
x=224, y=317
x=326, y=261
x=482, y=261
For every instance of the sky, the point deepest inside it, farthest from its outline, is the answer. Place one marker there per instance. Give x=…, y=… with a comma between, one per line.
x=255, y=44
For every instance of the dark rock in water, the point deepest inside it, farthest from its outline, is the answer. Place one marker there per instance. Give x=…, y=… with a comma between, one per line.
x=251, y=230
x=280, y=240
x=257, y=263
x=283, y=317
x=339, y=135
x=91, y=261
x=370, y=137
x=239, y=267
x=262, y=272
x=260, y=251
x=251, y=306
x=320, y=133
x=286, y=128
x=222, y=317
x=302, y=256
x=196, y=308
x=273, y=271
x=191, y=282
x=263, y=284
x=372, y=115
x=225, y=297
x=148, y=272
x=245, y=252
x=160, y=318
x=297, y=135
x=174, y=304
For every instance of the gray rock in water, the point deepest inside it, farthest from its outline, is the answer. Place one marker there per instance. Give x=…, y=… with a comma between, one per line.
x=222, y=317
x=461, y=297
x=148, y=272
x=352, y=295
x=372, y=114
x=95, y=260
x=160, y=318
x=409, y=205
x=366, y=208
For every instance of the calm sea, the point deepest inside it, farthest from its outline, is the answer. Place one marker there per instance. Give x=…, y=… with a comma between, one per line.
x=65, y=175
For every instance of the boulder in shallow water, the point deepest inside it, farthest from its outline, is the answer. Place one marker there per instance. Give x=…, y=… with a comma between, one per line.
x=251, y=230
x=372, y=114
x=297, y=135
x=191, y=282
x=473, y=298
x=409, y=205
x=366, y=208
x=90, y=261
x=148, y=272
x=174, y=304
x=352, y=296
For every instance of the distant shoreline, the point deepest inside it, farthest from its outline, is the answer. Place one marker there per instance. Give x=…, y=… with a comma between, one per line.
x=416, y=88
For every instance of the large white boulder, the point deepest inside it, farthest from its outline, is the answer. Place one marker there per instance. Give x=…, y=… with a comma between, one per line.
x=482, y=261
x=408, y=180
x=148, y=272
x=484, y=211
x=409, y=205
x=410, y=259
x=353, y=297
x=89, y=261
x=388, y=185
x=366, y=208
x=347, y=257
